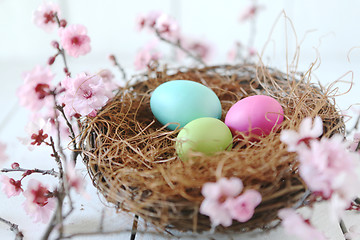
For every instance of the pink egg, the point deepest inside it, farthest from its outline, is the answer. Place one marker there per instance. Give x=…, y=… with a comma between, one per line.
x=257, y=114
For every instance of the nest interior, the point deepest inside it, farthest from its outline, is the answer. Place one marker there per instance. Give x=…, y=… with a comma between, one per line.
x=131, y=157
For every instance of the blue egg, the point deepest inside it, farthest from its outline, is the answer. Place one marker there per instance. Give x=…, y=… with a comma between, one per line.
x=181, y=101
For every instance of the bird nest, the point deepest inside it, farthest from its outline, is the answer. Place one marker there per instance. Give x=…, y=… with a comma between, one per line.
x=132, y=161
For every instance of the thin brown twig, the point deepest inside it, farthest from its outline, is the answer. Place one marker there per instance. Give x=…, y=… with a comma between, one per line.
x=179, y=46
x=121, y=69
x=14, y=228
x=57, y=217
x=76, y=150
x=343, y=228
x=102, y=218
x=134, y=227
x=357, y=147
x=61, y=49
x=51, y=172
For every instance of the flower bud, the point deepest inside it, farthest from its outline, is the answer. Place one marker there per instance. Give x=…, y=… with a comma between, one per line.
x=15, y=165
x=55, y=44
x=51, y=60
x=63, y=23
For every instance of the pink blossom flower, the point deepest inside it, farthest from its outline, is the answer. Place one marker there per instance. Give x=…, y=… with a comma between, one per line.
x=75, y=40
x=216, y=195
x=252, y=51
x=250, y=12
x=38, y=204
x=199, y=48
x=326, y=166
x=10, y=187
x=34, y=93
x=108, y=79
x=75, y=180
x=354, y=233
x=3, y=155
x=308, y=131
x=36, y=123
x=167, y=27
x=148, y=20
x=52, y=118
x=146, y=56
x=295, y=225
x=44, y=16
x=242, y=207
x=84, y=94
x=355, y=143
x=140, y=22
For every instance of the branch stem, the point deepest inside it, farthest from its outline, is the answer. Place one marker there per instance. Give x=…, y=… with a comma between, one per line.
x=51, y=172
x=14, y=228
x=179, y=46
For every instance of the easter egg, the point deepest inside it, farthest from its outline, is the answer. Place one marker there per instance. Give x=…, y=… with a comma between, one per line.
x=257, y=115
x=181, y=101
x=205, y=135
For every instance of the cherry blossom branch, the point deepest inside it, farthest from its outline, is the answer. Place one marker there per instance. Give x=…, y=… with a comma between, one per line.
x=343, y=228
x=179, y=46
x=116, y=63
x=62, y=192
x=57, y=217
x=62, y=23
x=14, y=228
x=134, y=227
x=252, y=35
x=357, y=147
x=72, y=132
x=51, y=172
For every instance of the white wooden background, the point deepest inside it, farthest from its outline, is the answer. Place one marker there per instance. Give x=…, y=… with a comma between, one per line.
x=111, y=26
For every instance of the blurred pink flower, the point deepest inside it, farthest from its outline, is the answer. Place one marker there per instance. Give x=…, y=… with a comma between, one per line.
x=75, y=40
x=167, y=27
x=148, y=20
x=250, y=12
x=294, y=224
x=252, y=51
x=10, y=187
x=75, y=180
x=199, y=48
x=34, y=93
x=355, y=142
x=52, y=118
x=44, y=16
x=3, y=155
x=108, y=79
x=327, y=165
x=216, y=194
x=38, y=203
x=146, y=56
x=140, y=22
x=307, y=132
x=84, y=94
x=242, y=207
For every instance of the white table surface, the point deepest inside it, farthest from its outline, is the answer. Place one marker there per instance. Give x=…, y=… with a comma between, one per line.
x=87, y=212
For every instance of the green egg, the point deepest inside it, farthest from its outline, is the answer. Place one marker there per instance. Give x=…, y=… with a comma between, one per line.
x=206, y=135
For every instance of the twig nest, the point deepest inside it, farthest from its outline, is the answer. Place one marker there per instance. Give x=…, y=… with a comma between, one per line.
x=132, y=158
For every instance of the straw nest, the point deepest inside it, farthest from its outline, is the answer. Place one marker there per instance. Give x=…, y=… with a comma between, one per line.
x=132, y=161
